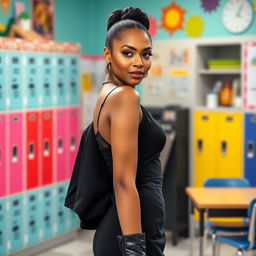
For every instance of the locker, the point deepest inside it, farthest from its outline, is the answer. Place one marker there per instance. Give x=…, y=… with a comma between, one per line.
x=3, y=227
x=205, y=124
x=249, y=148
x=46, y=212
x=3, y=166
x=229, y=145
x=14, y=80
x=31, y=80
x=46, y=147
x=61, y=144
x=61, y=80
x=3, y=95
x=32, y=217
x=73, y=79
x=32, y=149
x=15, y=152
x=61, y=211
x=47, y=80
x=15, y=225
x=73, y=138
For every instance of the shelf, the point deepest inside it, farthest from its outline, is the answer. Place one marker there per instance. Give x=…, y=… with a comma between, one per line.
x=219, y=109
x=220, y=72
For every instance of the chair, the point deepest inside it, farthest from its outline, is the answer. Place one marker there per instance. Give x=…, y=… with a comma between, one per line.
x=225, y=227
x=247, y=241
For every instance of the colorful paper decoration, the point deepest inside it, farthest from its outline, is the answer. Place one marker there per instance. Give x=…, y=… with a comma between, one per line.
x=5, y=5
x=152, y=26
x=172, y=18
x=210, y=5
x=254, y=5
x=194, y=26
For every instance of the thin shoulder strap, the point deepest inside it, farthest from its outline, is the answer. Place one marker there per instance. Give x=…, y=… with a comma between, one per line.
x=102, y=106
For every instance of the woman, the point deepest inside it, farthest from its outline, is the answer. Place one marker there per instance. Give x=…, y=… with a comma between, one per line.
x=130, y=141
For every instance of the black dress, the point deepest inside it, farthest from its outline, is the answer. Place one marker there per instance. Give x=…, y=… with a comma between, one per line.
x=152, y=139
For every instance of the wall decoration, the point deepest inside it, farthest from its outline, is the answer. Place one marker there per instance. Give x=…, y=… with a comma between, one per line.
x=254, y=5
x=43, y=18
x=210, y=5
x=179, y=57
x=178, y=83
x=194, y=26
x=5, y=5
x=152, y=26
x=172, y=18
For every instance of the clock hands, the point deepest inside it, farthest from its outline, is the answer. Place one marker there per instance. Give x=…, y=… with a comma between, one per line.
x=240, y=9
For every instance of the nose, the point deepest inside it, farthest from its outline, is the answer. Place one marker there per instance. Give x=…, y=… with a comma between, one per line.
x=138, y=62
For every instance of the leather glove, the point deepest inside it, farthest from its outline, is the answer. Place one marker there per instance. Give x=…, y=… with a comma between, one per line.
x=132, y=244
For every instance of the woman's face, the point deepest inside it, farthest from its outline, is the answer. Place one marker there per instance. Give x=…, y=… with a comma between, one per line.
x=130, y=57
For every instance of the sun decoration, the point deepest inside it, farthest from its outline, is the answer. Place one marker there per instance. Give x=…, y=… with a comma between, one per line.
x=194, y=26
x=172, y=17
x=210, y=5
x=152, y=26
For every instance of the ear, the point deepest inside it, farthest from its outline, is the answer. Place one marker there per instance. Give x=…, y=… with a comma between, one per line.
x=107, y=55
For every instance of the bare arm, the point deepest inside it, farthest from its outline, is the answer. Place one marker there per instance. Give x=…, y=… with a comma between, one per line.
x=125, y=117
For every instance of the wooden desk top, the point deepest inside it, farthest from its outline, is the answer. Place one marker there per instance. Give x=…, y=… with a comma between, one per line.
x=224, y=198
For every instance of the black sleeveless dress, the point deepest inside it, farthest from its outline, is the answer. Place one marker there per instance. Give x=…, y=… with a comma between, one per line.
x=152, y=139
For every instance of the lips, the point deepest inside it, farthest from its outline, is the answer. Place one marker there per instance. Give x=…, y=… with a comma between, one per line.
x=137, y=74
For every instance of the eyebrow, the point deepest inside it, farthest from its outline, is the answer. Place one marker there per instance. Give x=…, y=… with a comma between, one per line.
x=133, y=48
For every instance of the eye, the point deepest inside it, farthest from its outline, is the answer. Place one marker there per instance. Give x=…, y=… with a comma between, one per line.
x=127, y=54
x=147, y=55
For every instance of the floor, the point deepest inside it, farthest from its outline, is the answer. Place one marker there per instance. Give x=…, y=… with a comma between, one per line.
x=82, y=247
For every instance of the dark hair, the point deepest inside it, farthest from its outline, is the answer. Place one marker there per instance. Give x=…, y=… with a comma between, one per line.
x=119, y=20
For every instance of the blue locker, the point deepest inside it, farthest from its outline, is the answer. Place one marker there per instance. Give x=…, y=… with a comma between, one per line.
x=31, y=81
x=73, y=79
x=46, y=212
x=61, y=210
x=3, y=95
x=15, y=225
x=250, y=148
x=61, y=79
x=3, y=236
x=32, y=217
x=47, y=80
x=14, y=80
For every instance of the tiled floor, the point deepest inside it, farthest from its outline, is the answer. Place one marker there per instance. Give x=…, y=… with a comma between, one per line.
x=82, y=247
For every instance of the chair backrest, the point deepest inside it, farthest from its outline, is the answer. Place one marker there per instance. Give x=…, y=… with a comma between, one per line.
x=252, y=225
x=227, y=182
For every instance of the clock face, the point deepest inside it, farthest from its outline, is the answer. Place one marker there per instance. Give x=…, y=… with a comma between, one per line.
x=237, y=15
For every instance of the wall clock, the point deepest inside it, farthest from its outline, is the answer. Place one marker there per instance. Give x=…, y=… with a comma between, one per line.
x=237, y=15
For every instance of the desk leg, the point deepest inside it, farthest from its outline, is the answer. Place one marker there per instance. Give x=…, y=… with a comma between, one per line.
x=201, y=232
x=191, y=228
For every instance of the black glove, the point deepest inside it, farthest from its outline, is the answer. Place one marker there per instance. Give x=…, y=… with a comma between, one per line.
x=133, y=244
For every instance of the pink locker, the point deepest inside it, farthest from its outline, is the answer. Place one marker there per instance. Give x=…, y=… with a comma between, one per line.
x=73, y=138
x=3, y=167
x=61, y=144
x=15, y=153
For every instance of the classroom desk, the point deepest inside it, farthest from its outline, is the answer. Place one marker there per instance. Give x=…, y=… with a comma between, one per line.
x=219, y=202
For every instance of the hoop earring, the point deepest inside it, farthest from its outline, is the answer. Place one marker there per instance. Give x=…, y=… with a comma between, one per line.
x=145, y=75
x=108, y=66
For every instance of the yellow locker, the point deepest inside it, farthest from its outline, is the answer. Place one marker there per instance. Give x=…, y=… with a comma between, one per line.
x=229, y=145
x=204, y=146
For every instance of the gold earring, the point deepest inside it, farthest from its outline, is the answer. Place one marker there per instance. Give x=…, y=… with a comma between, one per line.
x=145, y=75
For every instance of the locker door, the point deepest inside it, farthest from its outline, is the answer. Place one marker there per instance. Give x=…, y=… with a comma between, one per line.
x=14, y=80
x=229, y=145
x=3, y=86
x=73, y=138
x=32, y=217
x=61, y=144
x=15, y=152
x=32, y=150
x=3, y=166
x=15, y=230
x=46, y=150
x=47, y=80
x=31, y=80
x=250, y=148
x=73, y=79
x=3, y=227
x=204, y=146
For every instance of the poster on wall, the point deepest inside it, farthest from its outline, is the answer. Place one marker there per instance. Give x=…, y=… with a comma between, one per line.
x=43, y=17
x=249, y=76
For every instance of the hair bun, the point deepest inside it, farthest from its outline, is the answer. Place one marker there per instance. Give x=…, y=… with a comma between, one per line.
x=129, y=13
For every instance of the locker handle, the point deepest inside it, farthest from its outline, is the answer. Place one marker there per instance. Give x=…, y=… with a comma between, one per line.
x=46, y=148
x=14, y=154
x=250, y=149
x=31, y=151
x=224, y=147
x=60, y=146
x=200, y=145
x=72, y=143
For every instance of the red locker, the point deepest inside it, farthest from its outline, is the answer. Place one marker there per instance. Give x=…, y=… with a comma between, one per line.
x=32, y=149
x=46, y=147
x=3, y=166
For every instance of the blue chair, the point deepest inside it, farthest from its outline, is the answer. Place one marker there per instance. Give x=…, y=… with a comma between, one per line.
x=225, y=227
x=247, y=241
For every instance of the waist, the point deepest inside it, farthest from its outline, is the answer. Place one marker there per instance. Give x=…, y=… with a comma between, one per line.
x=143, y=182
